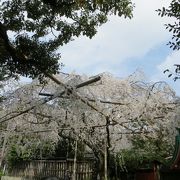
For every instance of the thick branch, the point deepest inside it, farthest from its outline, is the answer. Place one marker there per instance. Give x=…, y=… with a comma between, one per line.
x=47, y=99
x=89, y=99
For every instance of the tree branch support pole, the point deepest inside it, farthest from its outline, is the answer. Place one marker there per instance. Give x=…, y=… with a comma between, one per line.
x=107, y=146
x=105, y=161
x=75, y=162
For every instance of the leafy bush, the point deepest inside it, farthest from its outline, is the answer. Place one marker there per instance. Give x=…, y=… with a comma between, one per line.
x=144, y=152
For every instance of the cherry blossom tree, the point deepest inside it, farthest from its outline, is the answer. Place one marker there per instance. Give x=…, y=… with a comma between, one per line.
x=101, y=111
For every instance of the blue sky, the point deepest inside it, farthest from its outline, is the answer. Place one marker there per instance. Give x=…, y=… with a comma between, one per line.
x=121, y=46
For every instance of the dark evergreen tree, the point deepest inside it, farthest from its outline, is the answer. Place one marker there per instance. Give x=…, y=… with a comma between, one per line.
x=41, y=27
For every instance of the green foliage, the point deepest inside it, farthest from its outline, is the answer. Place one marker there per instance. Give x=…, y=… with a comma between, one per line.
x=28, y=148
x=42, y=26
x=144, y=152
x=66, y=149
x=1, y=172
x=42, y=150
x=15, y=157
x=173, y=11
x=175, y=74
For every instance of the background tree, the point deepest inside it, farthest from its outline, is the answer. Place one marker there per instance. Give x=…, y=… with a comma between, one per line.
x=31, y=32
x=173, y=11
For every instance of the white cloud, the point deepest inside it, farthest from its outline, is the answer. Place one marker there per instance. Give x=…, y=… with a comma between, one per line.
x=168, y=63
x=118, y=40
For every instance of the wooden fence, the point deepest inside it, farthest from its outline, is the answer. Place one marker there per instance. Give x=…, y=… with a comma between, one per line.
x=62, y=168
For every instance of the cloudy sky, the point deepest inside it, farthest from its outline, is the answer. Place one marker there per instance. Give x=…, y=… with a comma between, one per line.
x=122, y=46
